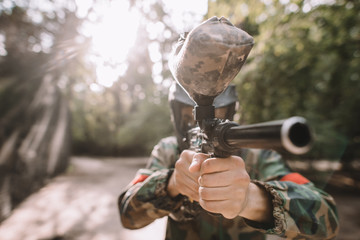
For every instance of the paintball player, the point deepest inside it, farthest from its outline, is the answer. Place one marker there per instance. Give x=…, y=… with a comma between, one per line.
x=247, y=195
x=240, y=197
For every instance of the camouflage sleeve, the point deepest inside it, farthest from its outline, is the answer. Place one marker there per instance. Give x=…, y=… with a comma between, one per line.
x=300, y=210
x=145, y=198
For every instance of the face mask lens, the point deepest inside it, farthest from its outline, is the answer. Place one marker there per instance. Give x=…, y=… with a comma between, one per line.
x=187, y=119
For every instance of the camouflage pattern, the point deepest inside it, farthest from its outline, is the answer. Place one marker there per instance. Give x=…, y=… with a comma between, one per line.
x=218, y=43
x=301, y=211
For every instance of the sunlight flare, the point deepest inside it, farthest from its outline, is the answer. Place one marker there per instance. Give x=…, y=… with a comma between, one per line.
x=112, y=38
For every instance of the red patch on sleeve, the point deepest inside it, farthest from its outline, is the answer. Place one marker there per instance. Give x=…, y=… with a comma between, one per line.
x=295, y=177
x=139, y=178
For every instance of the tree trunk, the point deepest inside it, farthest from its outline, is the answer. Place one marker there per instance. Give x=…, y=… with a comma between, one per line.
x=35, y=141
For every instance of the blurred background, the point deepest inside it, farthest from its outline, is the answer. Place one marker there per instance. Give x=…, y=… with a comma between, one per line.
x=90, y=78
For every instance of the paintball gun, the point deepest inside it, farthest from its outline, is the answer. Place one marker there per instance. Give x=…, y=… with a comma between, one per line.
x=204, y=63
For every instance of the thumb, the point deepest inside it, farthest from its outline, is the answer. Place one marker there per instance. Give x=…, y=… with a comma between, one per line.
x=198, y=159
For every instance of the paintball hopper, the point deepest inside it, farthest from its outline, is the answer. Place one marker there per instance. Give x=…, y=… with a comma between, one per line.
x=208, y=58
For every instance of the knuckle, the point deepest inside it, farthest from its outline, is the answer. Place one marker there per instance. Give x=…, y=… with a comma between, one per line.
x=210, y=206
x=179, y=164
x=239, y=194
x=229, y=215
x=246, y=177
x=202, y=155
x=206, y=205
x=176, y=175
x=184, y=154
x=204, y=193
x=194, y=196
x=204, y=180
x=206, y=166
x=243, y=178
x=199, y=155
x=238, y=161
x=188, y=153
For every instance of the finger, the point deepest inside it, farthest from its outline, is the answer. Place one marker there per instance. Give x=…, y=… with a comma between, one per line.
x=197, y=160
x=188, y=187
x=213, y=206
x=187, y=155
x=223, y=179
x=212, y=165
x=192, y=193
x=182, y=170
x=222, y=194
x=223, y=207
x=184, y=178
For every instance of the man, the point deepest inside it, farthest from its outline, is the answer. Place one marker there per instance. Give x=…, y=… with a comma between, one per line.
x=239, y=197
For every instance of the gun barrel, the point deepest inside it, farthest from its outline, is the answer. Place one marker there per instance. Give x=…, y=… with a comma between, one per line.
x=292, y=134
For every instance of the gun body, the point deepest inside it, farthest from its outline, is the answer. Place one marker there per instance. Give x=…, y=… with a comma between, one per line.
x=204, y=63
x=222, y=138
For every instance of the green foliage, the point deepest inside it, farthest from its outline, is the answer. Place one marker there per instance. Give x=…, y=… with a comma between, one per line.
x=99, y=128
x=306, y=62
x=130, y=117
x=145, y=127
x=35, y=42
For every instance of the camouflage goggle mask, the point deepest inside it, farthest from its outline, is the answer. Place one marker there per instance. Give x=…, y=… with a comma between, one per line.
x=181, y=108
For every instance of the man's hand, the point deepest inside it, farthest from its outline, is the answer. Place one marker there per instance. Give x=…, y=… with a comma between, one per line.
x=220, y=185
x=225, y=188
x=182, y=180
x=224, y=184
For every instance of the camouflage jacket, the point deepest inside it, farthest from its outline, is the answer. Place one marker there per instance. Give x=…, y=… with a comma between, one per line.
x=300, y=210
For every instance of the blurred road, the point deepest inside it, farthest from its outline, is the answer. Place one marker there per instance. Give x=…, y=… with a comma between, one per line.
x=82, y=205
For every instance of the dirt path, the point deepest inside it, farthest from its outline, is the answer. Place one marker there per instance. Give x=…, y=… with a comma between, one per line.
x=81, y=205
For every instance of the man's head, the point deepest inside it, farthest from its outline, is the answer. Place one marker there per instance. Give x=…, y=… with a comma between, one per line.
x=182, y=109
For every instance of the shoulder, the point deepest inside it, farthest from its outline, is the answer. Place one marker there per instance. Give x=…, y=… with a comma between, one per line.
x=165, y=153
x=168, y=142
x=255, y=155
x=264, y=164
